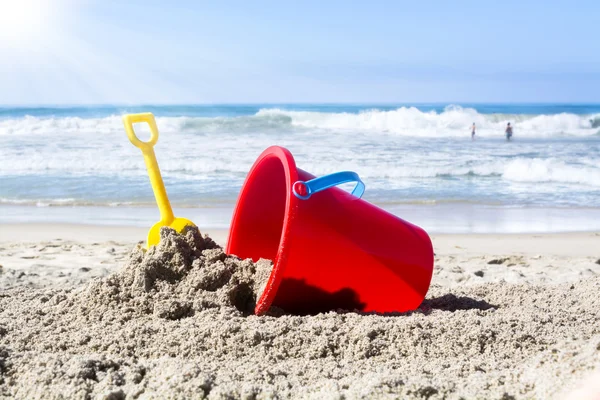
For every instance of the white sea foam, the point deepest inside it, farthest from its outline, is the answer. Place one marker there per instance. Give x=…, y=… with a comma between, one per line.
x=454, y=121
x=548, y=170
x=403, y=153
x=211, y=168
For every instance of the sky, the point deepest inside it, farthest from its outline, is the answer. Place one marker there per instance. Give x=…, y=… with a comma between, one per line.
x=142, y=52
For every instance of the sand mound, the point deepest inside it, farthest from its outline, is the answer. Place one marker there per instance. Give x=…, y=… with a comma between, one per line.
x=175, y=323
x=183, y=275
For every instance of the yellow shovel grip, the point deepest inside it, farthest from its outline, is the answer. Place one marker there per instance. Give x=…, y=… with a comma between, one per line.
x=148, y=118
x=158, y=186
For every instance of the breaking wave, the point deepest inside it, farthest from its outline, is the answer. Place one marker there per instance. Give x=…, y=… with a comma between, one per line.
x=453, y=121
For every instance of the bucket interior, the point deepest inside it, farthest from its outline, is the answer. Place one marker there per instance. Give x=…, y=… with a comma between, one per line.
x=258, y=222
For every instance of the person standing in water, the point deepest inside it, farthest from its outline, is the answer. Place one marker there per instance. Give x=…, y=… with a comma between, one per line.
x=473, y=131
x=508, y=132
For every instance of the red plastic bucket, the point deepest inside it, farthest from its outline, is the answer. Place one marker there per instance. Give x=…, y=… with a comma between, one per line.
x=330, y=249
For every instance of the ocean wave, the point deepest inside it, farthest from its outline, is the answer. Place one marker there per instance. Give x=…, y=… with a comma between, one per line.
x=538, y=171
x=453, y=121
x=44, y=202
x=516, y=170
x=220, y=175
x=69, y=202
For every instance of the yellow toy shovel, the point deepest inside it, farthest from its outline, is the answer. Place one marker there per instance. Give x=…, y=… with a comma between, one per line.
x=166, y=212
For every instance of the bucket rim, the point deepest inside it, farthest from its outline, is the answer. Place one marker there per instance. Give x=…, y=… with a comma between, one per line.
x=291, y=175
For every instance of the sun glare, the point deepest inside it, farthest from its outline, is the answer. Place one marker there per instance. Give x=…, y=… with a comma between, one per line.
x=25, y=21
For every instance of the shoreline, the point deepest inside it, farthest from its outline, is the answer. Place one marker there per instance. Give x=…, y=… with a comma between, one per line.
x=84, y=233
x=454, y=218
x=575, y=244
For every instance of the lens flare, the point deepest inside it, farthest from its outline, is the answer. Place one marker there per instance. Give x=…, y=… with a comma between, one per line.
x=25, y=21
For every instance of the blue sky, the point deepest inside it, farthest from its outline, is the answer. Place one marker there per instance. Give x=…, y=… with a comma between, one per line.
x=310, y=51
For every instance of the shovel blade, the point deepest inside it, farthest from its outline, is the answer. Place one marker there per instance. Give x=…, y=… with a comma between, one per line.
x=178, y=224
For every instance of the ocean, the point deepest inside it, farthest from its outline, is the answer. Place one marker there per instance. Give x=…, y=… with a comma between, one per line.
x=75, y=164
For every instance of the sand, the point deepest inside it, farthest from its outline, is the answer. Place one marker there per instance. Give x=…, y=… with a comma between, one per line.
x=174, y=322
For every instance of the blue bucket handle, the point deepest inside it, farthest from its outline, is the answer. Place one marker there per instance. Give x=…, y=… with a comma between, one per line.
x=325, y=182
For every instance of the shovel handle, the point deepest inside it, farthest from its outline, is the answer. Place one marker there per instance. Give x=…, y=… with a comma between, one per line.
x=148, y=118
x=158, y=186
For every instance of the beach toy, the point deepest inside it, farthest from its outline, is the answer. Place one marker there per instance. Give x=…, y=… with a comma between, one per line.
x=166, y=212
x=330, y=249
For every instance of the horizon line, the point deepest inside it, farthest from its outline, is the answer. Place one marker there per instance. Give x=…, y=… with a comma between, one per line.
x=366, y=103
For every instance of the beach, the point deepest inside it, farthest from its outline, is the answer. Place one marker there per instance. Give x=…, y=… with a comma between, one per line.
x=310, y=200
x=508, y=316
x=513, y=307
